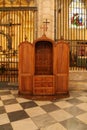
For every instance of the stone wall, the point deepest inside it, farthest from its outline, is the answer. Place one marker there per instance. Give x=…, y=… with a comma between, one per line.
x=78, y=80
x=46, y=11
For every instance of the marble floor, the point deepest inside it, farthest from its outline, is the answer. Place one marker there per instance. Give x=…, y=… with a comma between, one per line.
x=17, y=113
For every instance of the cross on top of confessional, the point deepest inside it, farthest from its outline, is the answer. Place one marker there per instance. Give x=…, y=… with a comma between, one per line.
x=46, y=22
x=44, y=26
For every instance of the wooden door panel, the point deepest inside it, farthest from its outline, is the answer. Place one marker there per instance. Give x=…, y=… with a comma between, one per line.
x=43, y=58
x=61, y=83
x=44, y=85
x=26, y=83
x=25, y=58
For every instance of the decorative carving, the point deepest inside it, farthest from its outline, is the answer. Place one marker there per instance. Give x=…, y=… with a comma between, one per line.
x=44, y=26
x=46, y=23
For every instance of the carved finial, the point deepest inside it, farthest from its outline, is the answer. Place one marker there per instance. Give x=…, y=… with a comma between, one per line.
x=62, y=38
x=46, y=22
x=44, y=26
x=25, y=38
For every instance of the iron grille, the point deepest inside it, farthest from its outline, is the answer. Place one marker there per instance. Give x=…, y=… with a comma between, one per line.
x=17, y=24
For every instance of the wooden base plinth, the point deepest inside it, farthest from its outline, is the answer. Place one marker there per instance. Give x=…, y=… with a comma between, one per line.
x=44, y=97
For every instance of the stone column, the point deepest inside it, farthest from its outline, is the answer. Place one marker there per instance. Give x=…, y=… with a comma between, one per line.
x=46, y=11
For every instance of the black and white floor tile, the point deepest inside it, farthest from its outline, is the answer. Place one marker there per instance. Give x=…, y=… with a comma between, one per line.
x=17, y=113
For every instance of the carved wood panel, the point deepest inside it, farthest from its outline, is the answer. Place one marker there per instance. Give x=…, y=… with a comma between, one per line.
x=44, y=85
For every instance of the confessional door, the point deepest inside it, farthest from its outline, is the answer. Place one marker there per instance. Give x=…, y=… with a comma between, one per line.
x=43, y=78
x=62, y=67
x=43, y=58
x=26, y=66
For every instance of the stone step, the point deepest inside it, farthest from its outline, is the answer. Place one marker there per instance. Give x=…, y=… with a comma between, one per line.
x=77, y=85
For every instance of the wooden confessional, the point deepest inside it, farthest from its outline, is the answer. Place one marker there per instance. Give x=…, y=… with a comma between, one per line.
x=43, y=69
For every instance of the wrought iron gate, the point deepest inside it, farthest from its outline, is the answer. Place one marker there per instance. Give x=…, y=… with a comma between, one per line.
x=71, y=23
x=17, y=24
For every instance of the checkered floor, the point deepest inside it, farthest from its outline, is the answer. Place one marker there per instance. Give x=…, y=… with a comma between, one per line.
x=17, y=113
